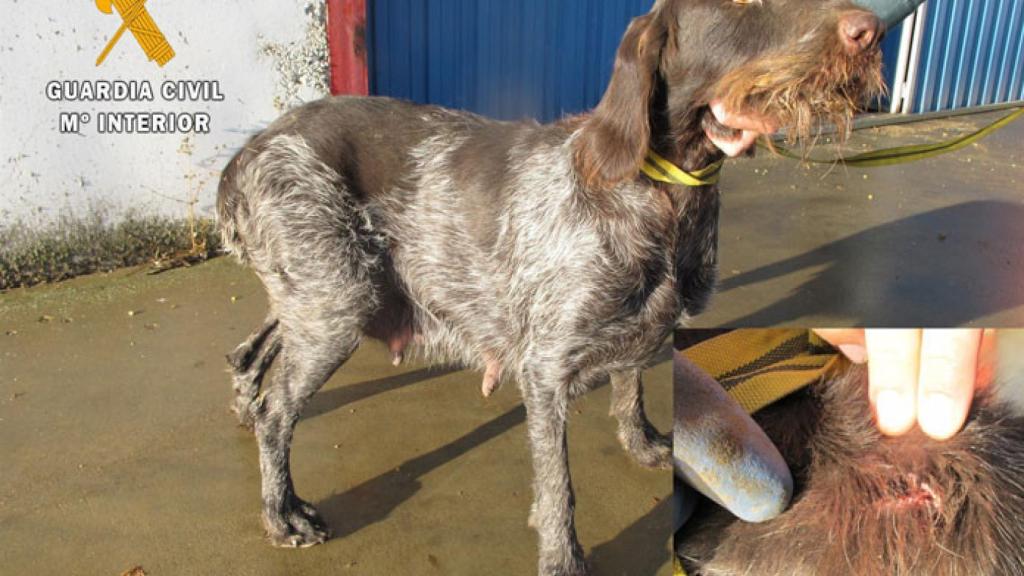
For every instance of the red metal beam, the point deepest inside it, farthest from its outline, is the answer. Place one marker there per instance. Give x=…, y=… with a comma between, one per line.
x=346, y=37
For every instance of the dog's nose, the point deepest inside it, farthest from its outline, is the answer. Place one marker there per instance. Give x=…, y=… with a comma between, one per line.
x=859, y=31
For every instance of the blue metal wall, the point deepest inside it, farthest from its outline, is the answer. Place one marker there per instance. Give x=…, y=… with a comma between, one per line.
x=547, y=58
x=971, y=54
x=890, y=61
x=503, y=58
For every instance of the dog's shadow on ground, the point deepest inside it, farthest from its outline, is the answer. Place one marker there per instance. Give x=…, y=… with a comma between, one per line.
x=374, y=500
x=329, y=400
x=641, y=549
x=945, y=267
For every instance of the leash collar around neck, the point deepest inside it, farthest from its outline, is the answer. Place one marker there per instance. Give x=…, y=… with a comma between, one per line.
x=658, y=168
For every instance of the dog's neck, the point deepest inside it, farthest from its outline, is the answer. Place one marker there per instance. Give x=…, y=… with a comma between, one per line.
x=678, y=136
x=690, y=149
x=676, y=129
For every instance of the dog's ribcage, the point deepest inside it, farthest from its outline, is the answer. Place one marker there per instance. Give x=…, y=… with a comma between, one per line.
x=528, y=276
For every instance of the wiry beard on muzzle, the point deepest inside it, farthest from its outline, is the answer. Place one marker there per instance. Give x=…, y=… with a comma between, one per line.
x=801, y=88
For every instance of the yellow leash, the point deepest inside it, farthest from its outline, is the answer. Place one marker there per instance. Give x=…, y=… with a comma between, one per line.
x=757, y=367
x=660, y=169
x=902, y=154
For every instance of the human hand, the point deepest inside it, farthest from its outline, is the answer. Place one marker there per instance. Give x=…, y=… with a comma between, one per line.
x=926, y=377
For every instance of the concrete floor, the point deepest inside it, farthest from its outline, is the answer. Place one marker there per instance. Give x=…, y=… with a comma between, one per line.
x=118, y=449
x=933, y=243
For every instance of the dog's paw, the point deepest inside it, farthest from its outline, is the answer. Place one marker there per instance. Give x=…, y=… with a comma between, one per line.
x=647, y=447
x=558, y=565
x=300, y=526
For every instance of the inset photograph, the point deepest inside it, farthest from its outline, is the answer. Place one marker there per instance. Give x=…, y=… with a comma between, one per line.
x=808, y=452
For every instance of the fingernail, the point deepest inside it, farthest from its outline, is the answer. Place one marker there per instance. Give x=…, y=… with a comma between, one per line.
x=937, y=415
x=855, y=352
x=894, y=412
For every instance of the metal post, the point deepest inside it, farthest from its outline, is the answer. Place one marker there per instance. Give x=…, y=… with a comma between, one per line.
x=346, y=37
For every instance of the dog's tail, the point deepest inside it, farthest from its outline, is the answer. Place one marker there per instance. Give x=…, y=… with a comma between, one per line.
x=230, y=204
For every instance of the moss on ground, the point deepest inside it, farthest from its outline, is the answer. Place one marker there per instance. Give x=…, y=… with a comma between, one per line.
x=75, y=246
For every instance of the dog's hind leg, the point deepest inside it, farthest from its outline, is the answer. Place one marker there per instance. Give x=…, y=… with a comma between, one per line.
x=310, y=354
x=249, y=364
x=641, y=440
x=554, y=502
x=318, y=254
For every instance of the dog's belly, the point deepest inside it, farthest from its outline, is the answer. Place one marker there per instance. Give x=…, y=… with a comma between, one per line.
x=455, y=313
x=518, y=303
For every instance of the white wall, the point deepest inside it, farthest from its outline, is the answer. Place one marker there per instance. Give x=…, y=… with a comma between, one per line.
x=244, y=44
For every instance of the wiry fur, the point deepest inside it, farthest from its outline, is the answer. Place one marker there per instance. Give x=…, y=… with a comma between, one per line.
x=868, y=504
x=797, y=91
x=534, y=251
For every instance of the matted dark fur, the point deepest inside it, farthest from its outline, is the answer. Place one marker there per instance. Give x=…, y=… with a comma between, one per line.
x=535, y=251
x=869, y=504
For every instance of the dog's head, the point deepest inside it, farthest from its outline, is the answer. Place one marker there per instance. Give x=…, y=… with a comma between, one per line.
x=795, y=62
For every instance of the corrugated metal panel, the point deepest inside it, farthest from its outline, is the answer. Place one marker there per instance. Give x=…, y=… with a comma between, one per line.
x=890, y=62
x=506, y=59
x=971, y=54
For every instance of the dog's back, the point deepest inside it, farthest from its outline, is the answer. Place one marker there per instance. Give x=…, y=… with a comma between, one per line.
x=353, y=137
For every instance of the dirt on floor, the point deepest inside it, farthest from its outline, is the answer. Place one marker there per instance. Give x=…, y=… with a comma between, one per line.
x=119, y=450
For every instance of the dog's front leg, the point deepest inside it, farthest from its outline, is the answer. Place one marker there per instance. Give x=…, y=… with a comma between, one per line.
x=553, y=499
x=641, y=440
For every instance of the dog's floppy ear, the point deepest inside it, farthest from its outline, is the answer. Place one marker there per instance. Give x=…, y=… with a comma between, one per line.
x=613, y=140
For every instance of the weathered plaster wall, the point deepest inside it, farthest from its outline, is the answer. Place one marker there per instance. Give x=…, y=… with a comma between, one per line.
x=267, y=55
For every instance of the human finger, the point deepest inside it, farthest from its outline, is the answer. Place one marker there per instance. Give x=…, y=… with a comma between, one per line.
x=946, y=379
x=893, y=357
x=849, y=341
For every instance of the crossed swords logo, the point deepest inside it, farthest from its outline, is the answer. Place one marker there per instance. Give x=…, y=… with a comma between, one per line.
x=137, y=19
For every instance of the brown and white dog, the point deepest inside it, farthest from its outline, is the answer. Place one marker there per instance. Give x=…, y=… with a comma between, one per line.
x=538, y=252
